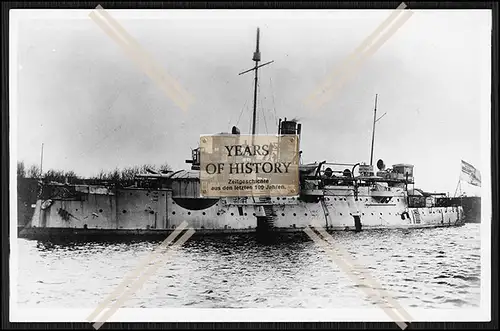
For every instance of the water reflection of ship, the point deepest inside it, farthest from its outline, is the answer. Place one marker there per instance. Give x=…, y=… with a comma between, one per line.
x=342, y=196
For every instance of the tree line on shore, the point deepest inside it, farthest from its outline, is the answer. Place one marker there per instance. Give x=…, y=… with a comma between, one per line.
x=118, y=175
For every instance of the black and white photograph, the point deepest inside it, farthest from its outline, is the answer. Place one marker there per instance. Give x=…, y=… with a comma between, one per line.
x=179, y=165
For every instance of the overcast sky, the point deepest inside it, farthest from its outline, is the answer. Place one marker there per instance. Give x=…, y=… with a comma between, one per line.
x=93, y=108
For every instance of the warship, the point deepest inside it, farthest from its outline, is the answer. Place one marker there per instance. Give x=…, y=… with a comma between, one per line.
x=341, y=196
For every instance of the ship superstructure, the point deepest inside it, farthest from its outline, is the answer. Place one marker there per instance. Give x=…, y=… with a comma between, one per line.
x=340, y=196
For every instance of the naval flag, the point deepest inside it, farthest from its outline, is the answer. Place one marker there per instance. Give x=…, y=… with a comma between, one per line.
x=470, y=174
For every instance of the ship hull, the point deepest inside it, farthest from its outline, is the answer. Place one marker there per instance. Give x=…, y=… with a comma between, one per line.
x=58, y=234
x=155, y=213
x=470, y=205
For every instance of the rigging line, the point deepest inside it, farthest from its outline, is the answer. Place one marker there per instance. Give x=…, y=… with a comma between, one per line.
x=112, y=103
x=263, y=114
x=241, y=113
x=265, y=121
x=257, y=123
x=230, y=118
x=274, y=104
x=261, y=106
x=229, y=121
x=259, y=101
x=249, y=112
x=250, y=115
x=99, y=143
x=250, y=125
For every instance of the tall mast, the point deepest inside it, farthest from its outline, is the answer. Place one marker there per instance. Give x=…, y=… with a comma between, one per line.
x=373, y=130
x=256, y=59
x=375, y=120
x=456, y=190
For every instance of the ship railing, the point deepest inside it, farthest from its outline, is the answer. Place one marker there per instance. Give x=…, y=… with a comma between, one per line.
x=323, y=165
x=159, y=175
x=339, y=164
x=381, y=179
x=251, y=202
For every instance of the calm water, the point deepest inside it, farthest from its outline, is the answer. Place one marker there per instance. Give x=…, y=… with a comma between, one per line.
x=428, y=268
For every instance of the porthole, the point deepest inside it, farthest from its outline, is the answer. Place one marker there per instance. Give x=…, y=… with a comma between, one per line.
x=294, y=214
x=253, y=214
x=340, y=214
x=305, y=214
x=218, y=214
x=245, y=214
x=380, y=213
x=203, y=213
x=232, y=214
x=189, y=213
x=100, y=210
x=282, y=214
x=335, y=199
x=173, y=213
x=124, y=211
